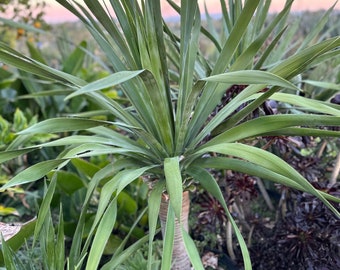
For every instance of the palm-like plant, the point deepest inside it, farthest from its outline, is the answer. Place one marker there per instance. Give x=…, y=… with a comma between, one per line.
x=169, y=131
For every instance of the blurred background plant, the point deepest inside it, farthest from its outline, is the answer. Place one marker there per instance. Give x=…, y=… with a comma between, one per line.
x=28, y=12
x=18, y=201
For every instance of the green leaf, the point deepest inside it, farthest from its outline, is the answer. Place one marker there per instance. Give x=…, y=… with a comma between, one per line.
x=35, y=53
x=76, y=255
x=91, y=149
x=114, y=185
x=321, y=84
x=237, y=32
x=160, y=120
x=183, y=130
x=125, y=255
x=60, y=243
x=192, y=251
x=190, y=30
x=69, y=182
x=174, y=187
x=107, y=137
x=4, y=211
x=100, y=239
x=44, y=210
x=63, y=125
x=305, y=104
x=85, y=167
x=8, y=255
x=247, y=167
x=33, y=173
x=154, y=203
x=213, y=92
x=133, y=228
x=113, y=243
x=106, y=21
x=317, y=28
x=298, y=131
x=109, y=81
x=16, y=59
x=224, y=163
x=127, y=203
x=48, y=93
x=74, y=62
x=269, y=161
x=270, y=123
x=251, y=77
x=168, y=239
x=297, y=63
x=46, y=237
x=247, y=57
x=209, y=184
x=8, y=155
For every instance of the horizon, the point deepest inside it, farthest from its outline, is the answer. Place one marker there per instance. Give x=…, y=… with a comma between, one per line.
x=55, y=13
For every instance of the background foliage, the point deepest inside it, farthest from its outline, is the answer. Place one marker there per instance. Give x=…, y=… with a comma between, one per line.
x=287, y=220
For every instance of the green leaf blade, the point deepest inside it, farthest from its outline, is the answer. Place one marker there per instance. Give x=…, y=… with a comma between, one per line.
x=174, y=184
x=251, y=77
x=55, y=125
x=34, y=173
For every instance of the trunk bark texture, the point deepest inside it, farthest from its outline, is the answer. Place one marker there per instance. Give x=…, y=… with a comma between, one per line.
x=180, y=259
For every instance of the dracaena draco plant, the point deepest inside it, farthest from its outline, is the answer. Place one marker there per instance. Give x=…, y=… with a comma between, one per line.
x=167, y=133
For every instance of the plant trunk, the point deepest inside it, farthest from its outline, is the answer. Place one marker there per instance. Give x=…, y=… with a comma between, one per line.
x=180, y=259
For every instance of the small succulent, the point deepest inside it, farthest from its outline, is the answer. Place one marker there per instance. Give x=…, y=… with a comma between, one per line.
x=307, y=238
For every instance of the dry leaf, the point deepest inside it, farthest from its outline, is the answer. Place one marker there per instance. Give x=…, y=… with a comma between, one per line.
x=210, y=259
x=8, y=230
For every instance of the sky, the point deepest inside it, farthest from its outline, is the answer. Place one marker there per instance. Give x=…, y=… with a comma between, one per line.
x=56, y=13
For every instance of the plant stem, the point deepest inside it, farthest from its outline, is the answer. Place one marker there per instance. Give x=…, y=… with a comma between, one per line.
x=229, y=241
x=336, y=171
x=180, y=258
x=264, y=193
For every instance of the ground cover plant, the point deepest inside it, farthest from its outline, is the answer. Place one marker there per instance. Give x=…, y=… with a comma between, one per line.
x=183, y=117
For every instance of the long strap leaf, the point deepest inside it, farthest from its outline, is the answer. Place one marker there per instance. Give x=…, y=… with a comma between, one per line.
x=154, y=202
x=210, y=184
x=168, y=239
x=225, y=163
x=35, y=172
x=265, y=124
x=214, y=92
x=18, y=60
x=105, y=228
x=269, y=161
x=76, y=255
x=174, y=187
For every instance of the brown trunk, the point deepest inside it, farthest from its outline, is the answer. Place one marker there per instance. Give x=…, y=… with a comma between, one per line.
x=180, y=259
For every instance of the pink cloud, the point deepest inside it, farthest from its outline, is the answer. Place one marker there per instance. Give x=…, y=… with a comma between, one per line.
x=56, y=13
